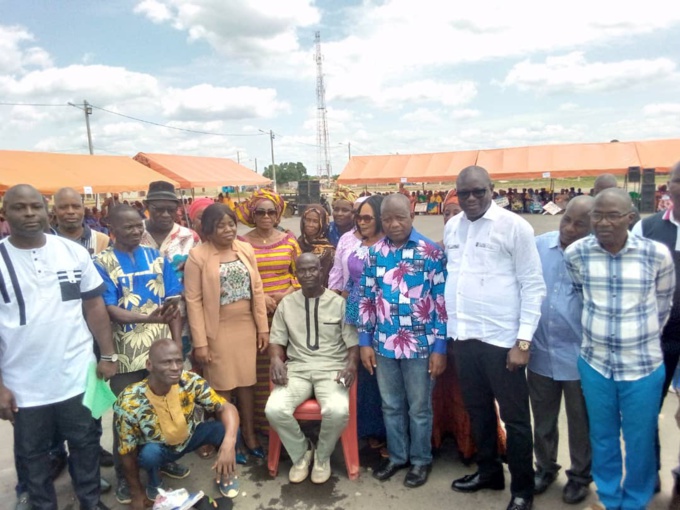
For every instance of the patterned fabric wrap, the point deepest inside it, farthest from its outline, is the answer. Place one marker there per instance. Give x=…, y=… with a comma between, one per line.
x=451, y=198
x=245, y=210
x=344, y=193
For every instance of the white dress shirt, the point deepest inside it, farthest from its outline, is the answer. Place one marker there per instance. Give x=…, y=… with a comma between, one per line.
x=495, y=286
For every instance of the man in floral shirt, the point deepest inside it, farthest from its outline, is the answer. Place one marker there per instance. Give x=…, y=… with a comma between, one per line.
x=403, y=321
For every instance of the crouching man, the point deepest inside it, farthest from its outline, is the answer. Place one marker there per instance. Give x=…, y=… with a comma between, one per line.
x=309, y=329
x=155, y=420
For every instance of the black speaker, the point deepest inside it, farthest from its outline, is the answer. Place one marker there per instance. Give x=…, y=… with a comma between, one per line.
x=309, y=192
x=647, y=198
x=649, y=176
x=633, y=174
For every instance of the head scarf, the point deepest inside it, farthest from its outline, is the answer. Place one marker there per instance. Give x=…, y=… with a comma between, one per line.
x=198, y=205
x=451, y=198
x=344, y=193
x=319, y=244
x=360, y=201
x=245, y=210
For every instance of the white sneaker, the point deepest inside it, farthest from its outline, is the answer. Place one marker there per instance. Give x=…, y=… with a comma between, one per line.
x=321, y=471
x=300, y=470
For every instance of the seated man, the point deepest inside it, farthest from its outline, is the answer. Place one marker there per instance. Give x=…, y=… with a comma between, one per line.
x=156, y=423
x=322, y=353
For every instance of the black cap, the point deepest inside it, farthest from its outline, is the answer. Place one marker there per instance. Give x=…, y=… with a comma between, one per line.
x=161, y=190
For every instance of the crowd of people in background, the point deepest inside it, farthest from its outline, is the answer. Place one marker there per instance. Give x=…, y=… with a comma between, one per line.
x=180, y=312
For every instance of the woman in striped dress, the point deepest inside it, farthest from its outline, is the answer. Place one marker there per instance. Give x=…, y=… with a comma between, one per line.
x=275, y=252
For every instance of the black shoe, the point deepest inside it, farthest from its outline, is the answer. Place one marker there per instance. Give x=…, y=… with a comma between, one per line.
x=475, y=482
x=105, y=458
x=517, y=503
x=387, y=470
x=574, y=492
x=543, y=480
x=417, y=476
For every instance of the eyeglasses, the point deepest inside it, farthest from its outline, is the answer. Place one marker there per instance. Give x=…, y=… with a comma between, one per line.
x=610, y=217
x=365, y=218
x=477, y=193
x=266, y=212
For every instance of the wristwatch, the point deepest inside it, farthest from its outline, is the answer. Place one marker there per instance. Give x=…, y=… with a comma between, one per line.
x=111, y=357
x=523, y=345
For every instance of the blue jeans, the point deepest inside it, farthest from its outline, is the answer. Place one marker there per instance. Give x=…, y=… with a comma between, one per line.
x=152, y=456
x=406, y=392
x=631, y=407
x=35, y=432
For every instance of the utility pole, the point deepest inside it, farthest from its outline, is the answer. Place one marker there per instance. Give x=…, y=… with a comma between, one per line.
x=238, y=157
x=271, y=141
x=349, y=151
x=87, y=110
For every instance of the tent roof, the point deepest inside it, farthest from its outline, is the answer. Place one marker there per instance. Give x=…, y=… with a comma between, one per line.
x=48, y=172
x=433, y=167
x=571, y=160
x=200, y=172
x=566, y=160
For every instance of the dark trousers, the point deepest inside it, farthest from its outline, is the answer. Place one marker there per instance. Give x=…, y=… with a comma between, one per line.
x=118, y=383
x=546, y=398
x=153, y=456
x=485, y=379
x=34, y=431
x=671, y=355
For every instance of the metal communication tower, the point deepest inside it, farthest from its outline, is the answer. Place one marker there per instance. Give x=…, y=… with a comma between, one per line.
x=323, y=161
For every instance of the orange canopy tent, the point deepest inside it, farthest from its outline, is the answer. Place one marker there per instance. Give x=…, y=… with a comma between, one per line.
x=201, y=172
x=571, y=160
x=435, y=167
x=88, y=174
x=533, y=162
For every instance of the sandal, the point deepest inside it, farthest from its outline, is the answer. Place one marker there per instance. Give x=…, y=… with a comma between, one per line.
x=206, y=451
x=230, y=487
x=376, y=443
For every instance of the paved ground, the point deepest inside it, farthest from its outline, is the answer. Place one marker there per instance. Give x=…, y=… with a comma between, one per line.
x=261, y=492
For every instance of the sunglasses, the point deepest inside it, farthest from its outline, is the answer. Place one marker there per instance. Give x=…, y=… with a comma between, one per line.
x=365, y=218
x=161, y=210
x=266, y=212
x=477, y=193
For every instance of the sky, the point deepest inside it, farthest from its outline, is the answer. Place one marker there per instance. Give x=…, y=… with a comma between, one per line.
x=401, y=76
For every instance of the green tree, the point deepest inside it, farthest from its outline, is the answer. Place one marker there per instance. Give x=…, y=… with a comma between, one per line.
x=287, y=172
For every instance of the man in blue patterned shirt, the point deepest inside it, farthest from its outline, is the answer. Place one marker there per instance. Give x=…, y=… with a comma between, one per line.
x=403, y=321
x=627, y=285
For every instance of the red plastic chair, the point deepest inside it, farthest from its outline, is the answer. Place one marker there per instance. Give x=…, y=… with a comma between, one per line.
x=310, y=410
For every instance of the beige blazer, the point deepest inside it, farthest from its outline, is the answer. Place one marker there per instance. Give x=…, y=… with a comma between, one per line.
x=202, y=290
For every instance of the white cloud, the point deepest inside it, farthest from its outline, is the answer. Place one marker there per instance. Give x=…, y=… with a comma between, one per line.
x=254, y=31
x=206, y=101
x=574, y=74
x=156, y=11
x=465, y=114
x=423, y=116
x=661, y=109
x=14, y=55
x=568, y=107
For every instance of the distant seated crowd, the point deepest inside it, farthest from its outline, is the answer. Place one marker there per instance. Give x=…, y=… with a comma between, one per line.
x=479, y=335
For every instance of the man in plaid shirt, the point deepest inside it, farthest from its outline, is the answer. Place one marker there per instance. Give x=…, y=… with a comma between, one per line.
x=627, y=285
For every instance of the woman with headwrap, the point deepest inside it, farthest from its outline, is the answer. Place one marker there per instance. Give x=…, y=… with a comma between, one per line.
x=196, y=213
x=275, y=252
x=343, y=214
x=313, y=232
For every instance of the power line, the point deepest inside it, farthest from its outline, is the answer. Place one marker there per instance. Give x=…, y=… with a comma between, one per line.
x=171, y=127
x=32, y=104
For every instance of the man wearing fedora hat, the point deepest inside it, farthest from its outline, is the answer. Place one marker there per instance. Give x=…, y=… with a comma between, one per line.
x=174, y=241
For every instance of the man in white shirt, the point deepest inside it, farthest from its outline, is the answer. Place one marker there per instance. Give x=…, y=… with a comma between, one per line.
x=494, y=291
x=50, y=307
